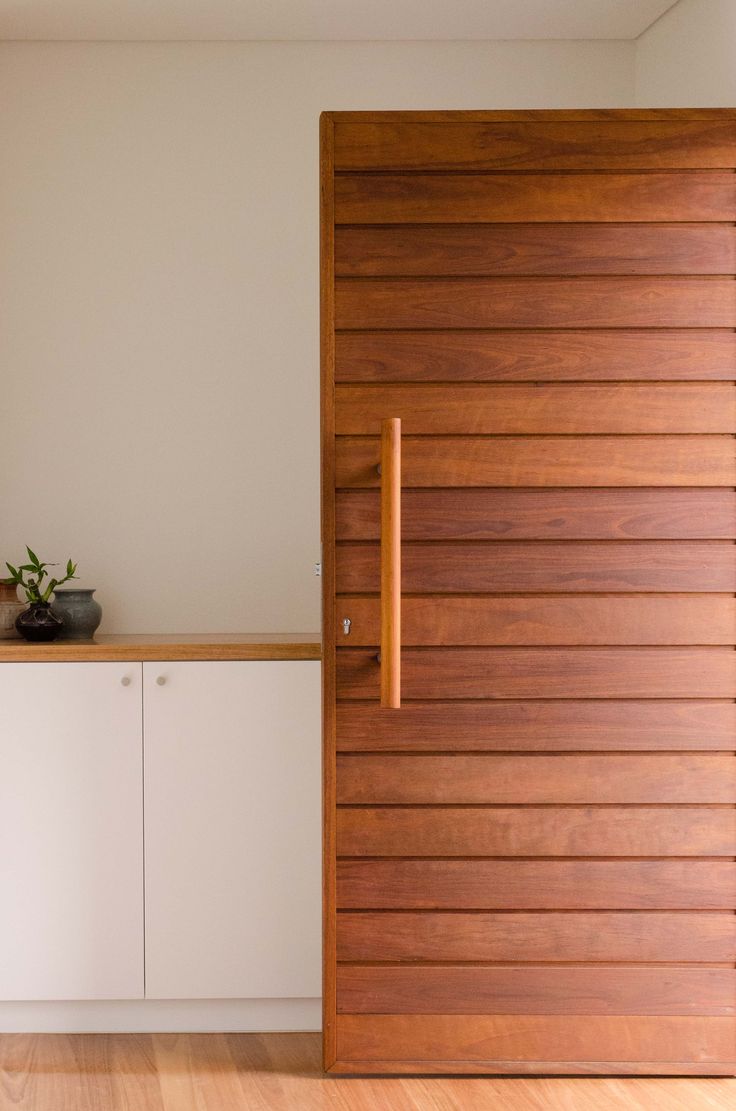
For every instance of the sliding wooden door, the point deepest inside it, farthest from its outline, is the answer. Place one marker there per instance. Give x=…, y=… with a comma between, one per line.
x=529, y=865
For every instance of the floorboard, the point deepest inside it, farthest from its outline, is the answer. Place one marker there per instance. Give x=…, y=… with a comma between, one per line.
x=281, y=1072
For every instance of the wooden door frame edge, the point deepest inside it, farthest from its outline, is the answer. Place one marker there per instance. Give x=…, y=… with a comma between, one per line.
x=532, y=115
x=327, y=410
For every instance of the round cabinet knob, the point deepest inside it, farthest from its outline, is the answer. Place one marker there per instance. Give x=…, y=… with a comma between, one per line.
x=160, y=680
x=126, y=680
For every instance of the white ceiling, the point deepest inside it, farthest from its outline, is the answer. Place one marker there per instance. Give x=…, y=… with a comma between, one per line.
x=328, y=19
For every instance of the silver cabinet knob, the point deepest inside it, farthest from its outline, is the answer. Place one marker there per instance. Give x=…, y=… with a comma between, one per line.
x=160, y=680
x=126, y=680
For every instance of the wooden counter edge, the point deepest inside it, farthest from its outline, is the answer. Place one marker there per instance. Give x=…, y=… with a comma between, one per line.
x=172, y=647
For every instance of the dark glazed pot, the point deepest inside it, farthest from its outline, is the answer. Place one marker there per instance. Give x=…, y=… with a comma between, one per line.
x=80, y=613
x=38, y=623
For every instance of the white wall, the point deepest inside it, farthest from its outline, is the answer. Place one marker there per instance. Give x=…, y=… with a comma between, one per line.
x=159, y=397
x=687, y=59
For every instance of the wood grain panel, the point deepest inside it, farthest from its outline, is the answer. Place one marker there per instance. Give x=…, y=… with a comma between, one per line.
x=327, y=514
x=536, y=885
x=478, y=1042
x=538, y=831
x=548, y=826
x=531, y=145
x=432, y=673
x=527, y=1072
x=534, y=356
x=521, y=936
x=478, y=514
x=537, y=726
x=524, y=114
x=544, y=461
x=468, y=409
x=534, y=198
x=523, y=989
x=584, y=619
x=487, y=566
x=542, y=115
x=507, y=249
x=498, y=779
x=168, y=647
x=536, y=303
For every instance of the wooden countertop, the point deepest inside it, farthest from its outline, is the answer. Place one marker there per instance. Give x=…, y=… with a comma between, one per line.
x=171, y=646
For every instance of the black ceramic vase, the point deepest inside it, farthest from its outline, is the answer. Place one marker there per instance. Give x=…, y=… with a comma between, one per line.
x=38, y=623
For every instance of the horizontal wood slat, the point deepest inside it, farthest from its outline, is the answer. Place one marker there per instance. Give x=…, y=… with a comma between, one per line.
x=429, y=673
x=480, y=1043
x=538, y=831
x=536, y=990
x=544, y=461
x=583, y=619
x=468, y=409
x=595, y=778
x=534, y=198
x=542, y=115
x=487, y=566
x=598, y=936
x=534, y=356
x=536, y=303
x=567, y=249
x=497, y=514
x=443, y=1066
x=537, y=726
x=536, y=885
x=528, y=145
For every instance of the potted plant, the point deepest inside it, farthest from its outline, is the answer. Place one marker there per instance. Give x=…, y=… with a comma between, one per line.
x=38, y=623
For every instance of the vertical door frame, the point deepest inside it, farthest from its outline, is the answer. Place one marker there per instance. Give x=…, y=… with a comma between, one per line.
x=327, y=362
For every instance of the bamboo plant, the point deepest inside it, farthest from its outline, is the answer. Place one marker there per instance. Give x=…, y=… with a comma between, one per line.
x=30, y=576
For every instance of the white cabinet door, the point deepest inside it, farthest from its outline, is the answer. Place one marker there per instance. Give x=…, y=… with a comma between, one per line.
x=71, y=846
x=232, y=829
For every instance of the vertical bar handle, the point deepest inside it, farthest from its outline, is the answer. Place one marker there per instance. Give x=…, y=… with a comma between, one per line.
x=391, y=563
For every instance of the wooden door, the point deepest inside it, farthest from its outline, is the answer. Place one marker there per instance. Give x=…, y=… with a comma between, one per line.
x=232, y=830
x=71, y=831
x=530, y=865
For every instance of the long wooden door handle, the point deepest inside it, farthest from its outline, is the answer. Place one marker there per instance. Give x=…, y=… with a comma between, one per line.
x=391, y=563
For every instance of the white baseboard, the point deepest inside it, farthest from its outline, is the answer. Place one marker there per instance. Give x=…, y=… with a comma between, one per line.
x=92, y=1016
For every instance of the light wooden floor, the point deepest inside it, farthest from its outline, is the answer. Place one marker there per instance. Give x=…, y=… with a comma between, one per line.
x=273, y=1072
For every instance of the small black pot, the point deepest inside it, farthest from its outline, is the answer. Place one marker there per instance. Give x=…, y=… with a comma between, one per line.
x=38, y=623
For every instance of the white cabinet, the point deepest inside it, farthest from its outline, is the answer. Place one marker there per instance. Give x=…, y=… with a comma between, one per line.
x=229, y=752
x=71, y=831
x=232, y=829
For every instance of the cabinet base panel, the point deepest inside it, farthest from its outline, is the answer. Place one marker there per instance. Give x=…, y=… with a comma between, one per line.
x=122, y=1016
